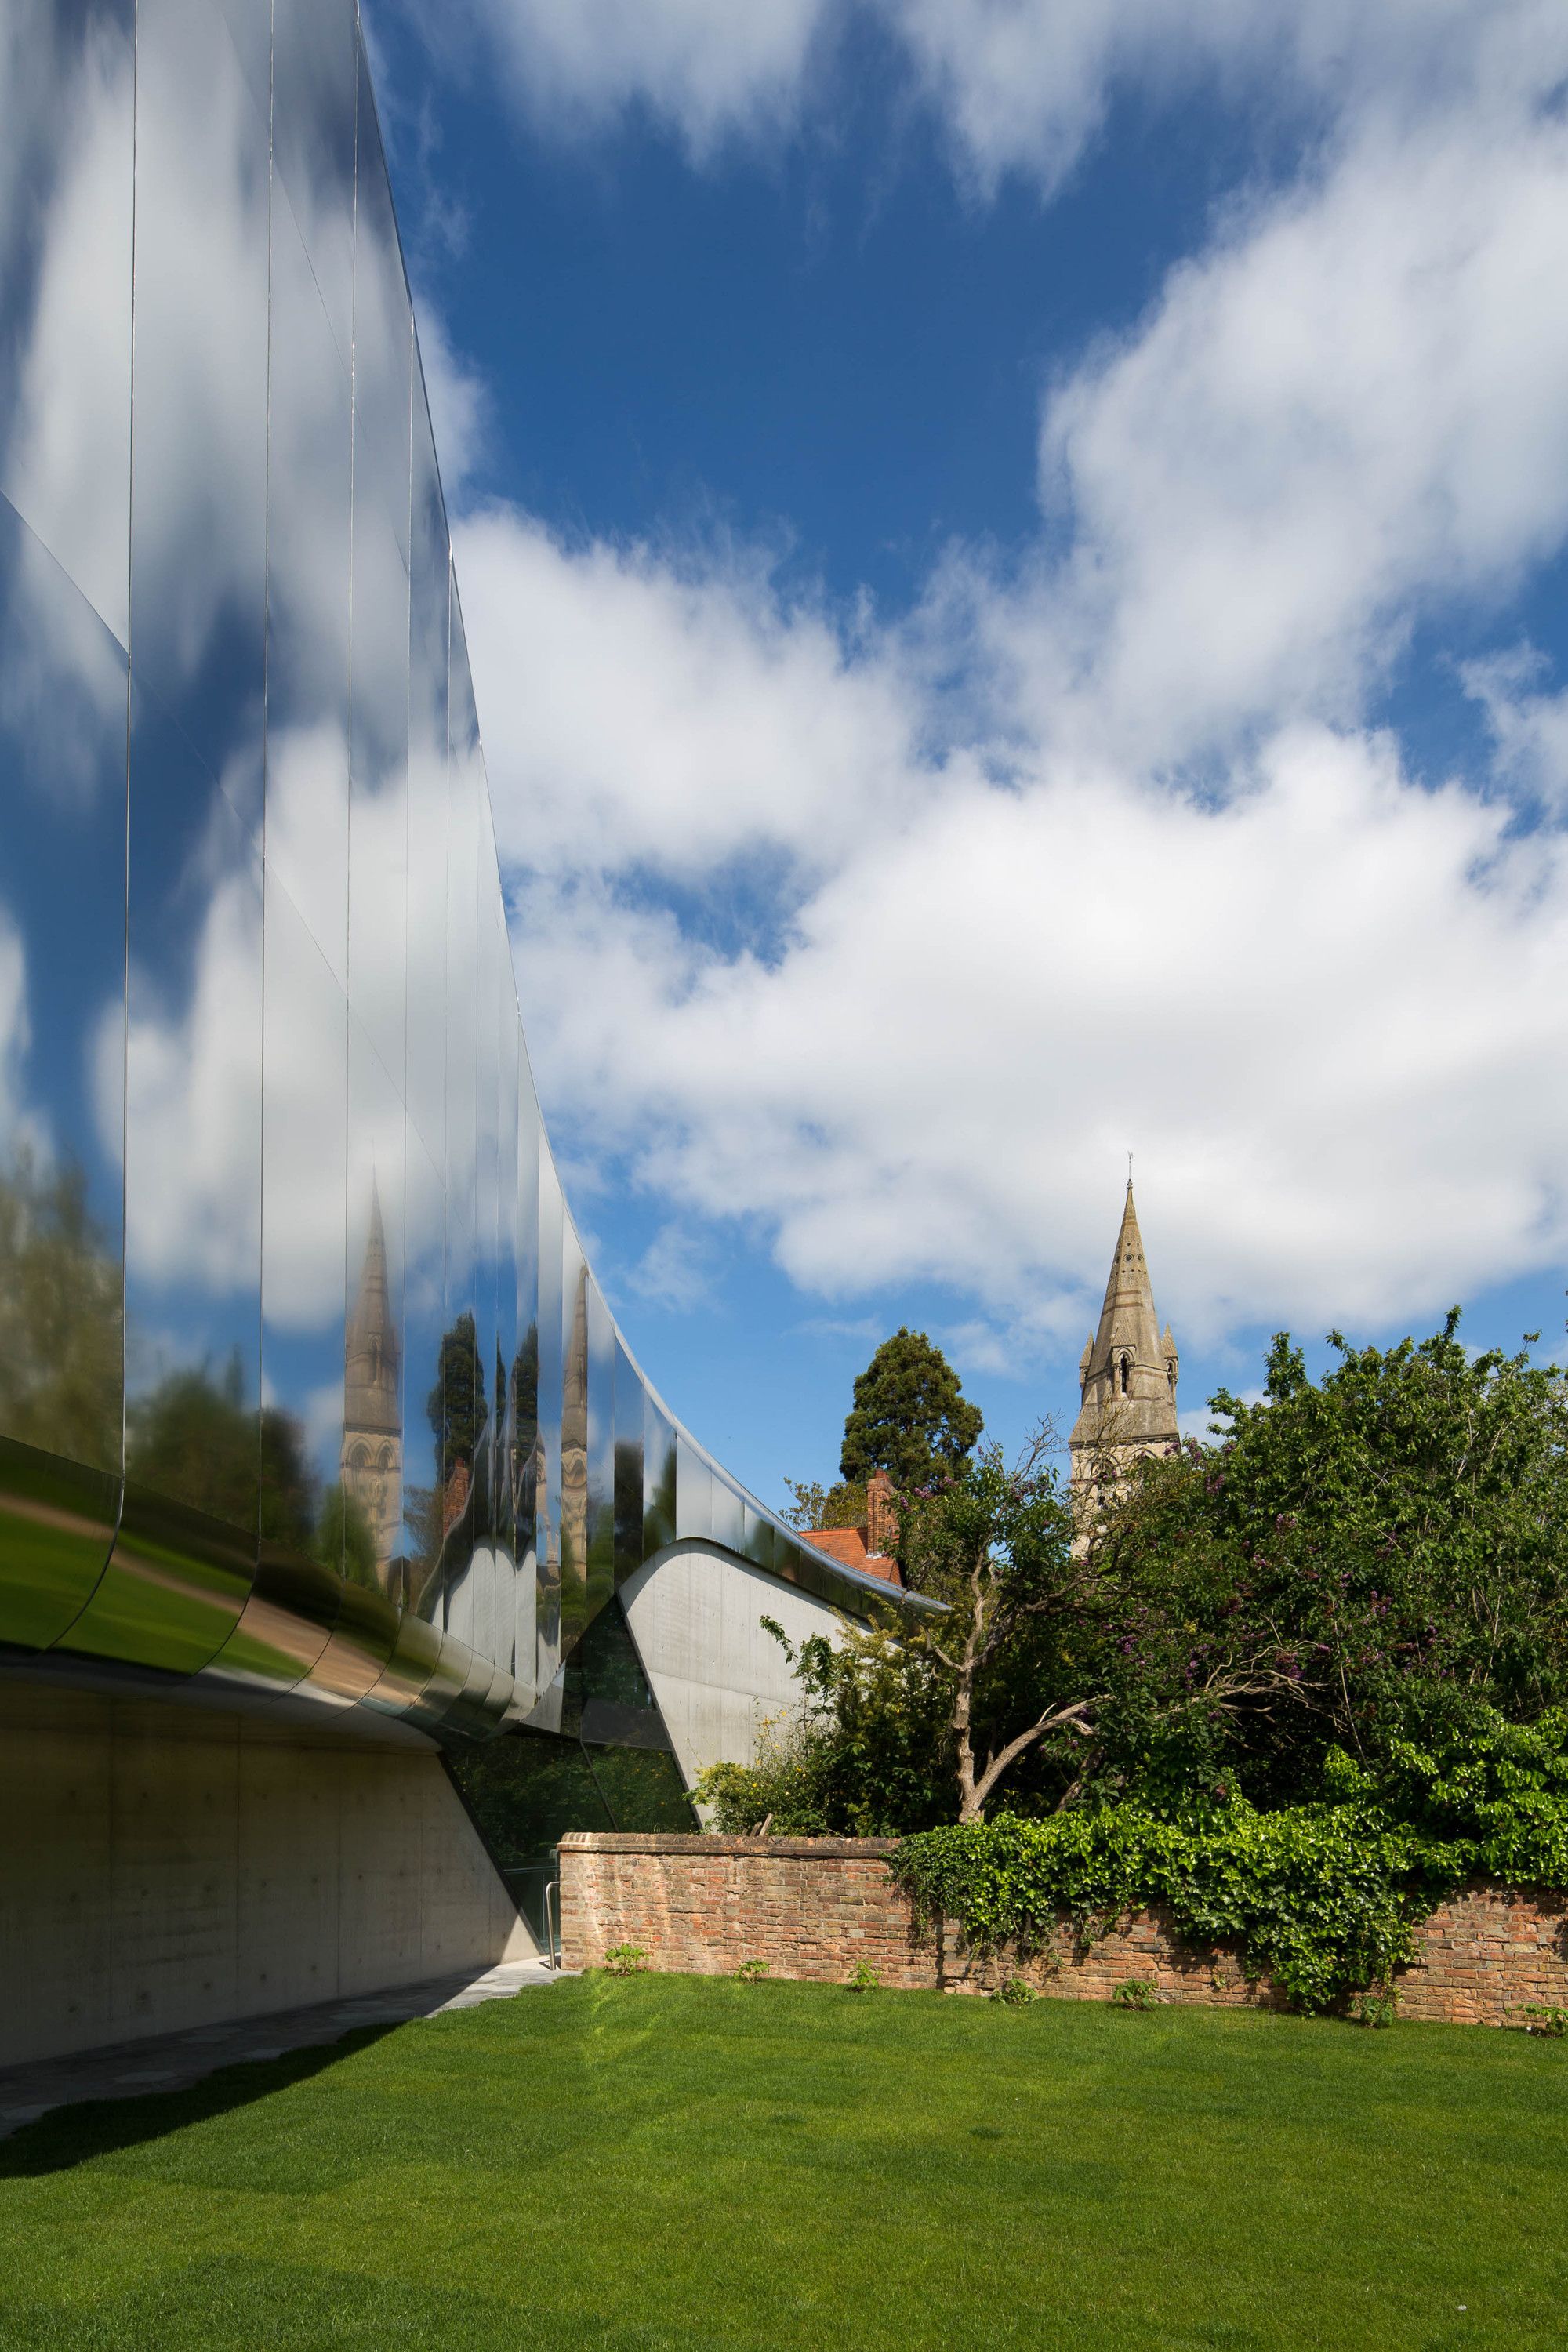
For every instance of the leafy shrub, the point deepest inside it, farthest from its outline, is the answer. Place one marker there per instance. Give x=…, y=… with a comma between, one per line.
x=626, y=1960
x=1014, y=1992
x=1546, y=2020
x=1378, y=2007
x=863, y=1977
x=1135, y=1992
x=751, y=1971
x=1320, y=1897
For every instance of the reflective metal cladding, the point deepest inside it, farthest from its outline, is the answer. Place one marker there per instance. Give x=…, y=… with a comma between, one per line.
x=307, y=1395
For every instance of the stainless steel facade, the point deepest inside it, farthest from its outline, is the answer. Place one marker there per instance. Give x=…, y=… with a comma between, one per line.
x=309, y=1397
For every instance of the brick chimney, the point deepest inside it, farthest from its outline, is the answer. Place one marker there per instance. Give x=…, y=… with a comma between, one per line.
x=881, y=1517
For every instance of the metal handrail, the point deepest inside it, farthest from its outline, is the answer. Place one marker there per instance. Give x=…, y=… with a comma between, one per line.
x=552, y=1935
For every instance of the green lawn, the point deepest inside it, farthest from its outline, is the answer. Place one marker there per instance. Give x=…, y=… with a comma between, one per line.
x=674, y=2162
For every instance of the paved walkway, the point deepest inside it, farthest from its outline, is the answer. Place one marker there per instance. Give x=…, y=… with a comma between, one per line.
x=172, y=2062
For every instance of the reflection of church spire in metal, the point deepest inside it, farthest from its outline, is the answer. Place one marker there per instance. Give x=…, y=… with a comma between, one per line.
x=1127, y=1374
x=372, y=1455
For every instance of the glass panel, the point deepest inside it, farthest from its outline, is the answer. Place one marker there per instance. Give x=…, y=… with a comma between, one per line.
x=729, y=1515
x=551, y=1383
x=193, y=1155
x=642, y=1788
x=525, y=1791
x=64, y=291
x=659, y=1469
x=609, y=1697
x=759, y=1545
x=193, y=1136
x=525, y=1378
x=309, y=481
x=62, y=1026
x=573, y=1438
x=502, y=1397
x=314, y=92
x=486, y=1243
x=630, y=1413
x=371, y=1461
x=199, y=436
x=383, y=326
x=693, y=1491
x=304, y=1100
x=387, y=911
x=426, y=832
x=467, y=1406
x=601, y=1464
x=424, y=1316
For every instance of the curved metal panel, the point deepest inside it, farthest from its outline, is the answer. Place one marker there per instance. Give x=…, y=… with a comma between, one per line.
x=286, y=1623
x=309, y=1397
x=173, y=1589
x=56, y=1524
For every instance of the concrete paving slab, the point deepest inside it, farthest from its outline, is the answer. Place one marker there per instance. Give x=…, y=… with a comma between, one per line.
x=175, y=2061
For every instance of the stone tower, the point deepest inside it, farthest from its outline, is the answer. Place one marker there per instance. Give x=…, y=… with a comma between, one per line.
x=1127, y=1375
x=372, y=1457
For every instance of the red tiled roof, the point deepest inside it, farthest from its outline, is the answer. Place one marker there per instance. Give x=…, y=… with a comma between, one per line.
x=848, y=1546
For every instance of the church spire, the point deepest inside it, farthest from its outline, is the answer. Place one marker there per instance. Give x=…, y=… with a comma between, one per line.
x=1127, y=1374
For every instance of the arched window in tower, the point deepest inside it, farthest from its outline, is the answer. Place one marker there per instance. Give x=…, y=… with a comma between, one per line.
x=1126, y=1372
x=1170, y=1372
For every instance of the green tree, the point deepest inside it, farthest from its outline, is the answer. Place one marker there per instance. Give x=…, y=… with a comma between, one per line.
x=916, y=1719
x=1379, y=1556
x=868, y=1753
x=812, y=1504
x=995, y=1545
x=909, y=1417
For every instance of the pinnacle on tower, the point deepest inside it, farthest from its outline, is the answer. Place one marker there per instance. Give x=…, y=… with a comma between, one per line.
x=1127, y=1374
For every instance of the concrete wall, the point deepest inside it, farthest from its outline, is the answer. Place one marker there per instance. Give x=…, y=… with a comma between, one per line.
x=163, y=1867
x=696, y=1611
x=816, y=1907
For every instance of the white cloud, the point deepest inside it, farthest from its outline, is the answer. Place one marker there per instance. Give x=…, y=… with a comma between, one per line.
x=706, y=67
x=1342, y=1061
x=1023, y=85
x=676, y=715
x=955, y=952
x=1530, y=729
x=673, y=1271
x=1017, y=86
x=1351, y=411
x=459, y=403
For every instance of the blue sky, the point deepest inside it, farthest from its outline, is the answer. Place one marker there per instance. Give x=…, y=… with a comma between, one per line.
x=1013, y=563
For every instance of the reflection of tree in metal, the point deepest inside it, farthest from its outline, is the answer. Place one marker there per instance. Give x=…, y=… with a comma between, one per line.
x=574, y=1461
x=195, y=1437
x=60, y=1345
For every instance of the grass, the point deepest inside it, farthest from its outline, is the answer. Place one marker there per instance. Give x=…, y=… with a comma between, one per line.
x=668, y=2162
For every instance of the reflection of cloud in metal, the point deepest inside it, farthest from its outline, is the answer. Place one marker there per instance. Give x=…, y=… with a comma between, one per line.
x=65, y=463
x=14, y=1031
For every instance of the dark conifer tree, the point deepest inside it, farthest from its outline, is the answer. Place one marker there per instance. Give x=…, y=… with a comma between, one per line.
x=910, y=1417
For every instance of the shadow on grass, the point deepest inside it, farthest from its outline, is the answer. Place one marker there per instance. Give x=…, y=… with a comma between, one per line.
x=86, y=2128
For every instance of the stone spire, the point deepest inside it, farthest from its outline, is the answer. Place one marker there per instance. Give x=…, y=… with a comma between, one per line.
x=1127, y=1375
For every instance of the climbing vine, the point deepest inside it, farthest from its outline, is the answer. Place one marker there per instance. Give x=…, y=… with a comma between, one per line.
x=1321, y=1899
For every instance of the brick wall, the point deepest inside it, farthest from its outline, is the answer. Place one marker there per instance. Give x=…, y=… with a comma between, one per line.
x=814, y=1907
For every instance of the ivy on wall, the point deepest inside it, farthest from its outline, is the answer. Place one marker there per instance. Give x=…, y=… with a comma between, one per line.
x=1321, y=1899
